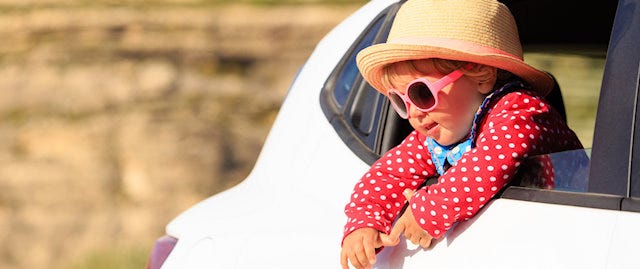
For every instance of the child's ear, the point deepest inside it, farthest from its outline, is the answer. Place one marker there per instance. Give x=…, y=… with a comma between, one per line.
x=489, y=78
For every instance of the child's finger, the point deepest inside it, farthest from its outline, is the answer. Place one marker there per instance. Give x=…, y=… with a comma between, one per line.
x=369, y=250
x=388, y=241
x=394, y=236
x=361, y=259
x=344, y=259
x=425, y=242
x=408, y=193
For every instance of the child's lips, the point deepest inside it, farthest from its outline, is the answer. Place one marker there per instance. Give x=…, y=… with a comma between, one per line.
x=431, y=129
x=430, y=126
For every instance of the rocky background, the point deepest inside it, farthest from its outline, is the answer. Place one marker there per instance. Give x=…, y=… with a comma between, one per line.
x=117, y=115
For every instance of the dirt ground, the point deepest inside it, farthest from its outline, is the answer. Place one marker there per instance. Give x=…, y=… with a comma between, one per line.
x=115, y=118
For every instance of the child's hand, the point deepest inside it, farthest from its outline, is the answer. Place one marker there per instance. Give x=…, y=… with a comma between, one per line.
x=359, y=248
x=407, y=224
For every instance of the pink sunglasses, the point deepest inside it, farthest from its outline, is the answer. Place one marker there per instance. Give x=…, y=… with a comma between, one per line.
x=420, y=93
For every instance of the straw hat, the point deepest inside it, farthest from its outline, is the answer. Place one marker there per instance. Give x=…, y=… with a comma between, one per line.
x=479, y=31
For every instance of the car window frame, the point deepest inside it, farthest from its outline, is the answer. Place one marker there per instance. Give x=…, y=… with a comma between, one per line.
x=340, y=115
x=629, y=37
x=616, y=115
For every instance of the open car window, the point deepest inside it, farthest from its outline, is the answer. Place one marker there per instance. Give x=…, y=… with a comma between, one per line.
x=580, y=78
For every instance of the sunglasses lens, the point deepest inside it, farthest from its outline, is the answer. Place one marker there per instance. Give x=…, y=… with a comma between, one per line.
x=398, y=104
x=421, y=96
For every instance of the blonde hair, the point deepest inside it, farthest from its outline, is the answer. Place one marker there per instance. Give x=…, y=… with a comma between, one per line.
x=412, y=68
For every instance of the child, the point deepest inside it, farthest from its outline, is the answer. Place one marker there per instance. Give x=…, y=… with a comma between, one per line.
x=454, y=69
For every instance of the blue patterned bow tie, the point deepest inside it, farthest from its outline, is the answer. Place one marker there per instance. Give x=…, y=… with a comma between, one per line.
x=443, y=155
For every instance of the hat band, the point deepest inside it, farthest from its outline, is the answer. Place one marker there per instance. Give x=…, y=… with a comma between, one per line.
x=450, y=43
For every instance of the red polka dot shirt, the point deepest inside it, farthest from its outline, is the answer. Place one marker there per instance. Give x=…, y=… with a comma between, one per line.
x=517, y=125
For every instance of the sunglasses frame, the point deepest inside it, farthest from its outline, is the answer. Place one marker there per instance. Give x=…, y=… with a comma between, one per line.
x=434, y=88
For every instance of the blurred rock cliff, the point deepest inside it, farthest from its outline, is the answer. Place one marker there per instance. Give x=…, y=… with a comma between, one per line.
x=114, y=118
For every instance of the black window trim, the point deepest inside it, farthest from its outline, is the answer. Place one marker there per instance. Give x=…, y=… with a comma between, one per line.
x=591, y=200
x=336, y=114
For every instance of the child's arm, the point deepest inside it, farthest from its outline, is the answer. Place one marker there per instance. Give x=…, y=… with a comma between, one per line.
x=377, y=198
x=408, y=226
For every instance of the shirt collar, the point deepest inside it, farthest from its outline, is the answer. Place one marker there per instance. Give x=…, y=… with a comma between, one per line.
x=445, y=156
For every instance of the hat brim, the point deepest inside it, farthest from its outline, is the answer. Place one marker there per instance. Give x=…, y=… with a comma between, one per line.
x=372, y=60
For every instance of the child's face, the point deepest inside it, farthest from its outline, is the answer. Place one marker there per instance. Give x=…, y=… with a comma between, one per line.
x=451, y=120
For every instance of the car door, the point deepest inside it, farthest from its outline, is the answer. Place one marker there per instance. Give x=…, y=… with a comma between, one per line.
x=588, y=227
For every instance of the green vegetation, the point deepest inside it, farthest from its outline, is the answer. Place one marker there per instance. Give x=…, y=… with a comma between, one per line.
x=116, y=257
x=580, y=78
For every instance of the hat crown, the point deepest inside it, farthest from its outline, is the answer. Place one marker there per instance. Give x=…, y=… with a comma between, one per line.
x=485, y=23
x=478, y=31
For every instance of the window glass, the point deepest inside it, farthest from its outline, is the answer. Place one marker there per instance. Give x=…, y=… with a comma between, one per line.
x=563, y=171
x=365, y=113
x=350, y=71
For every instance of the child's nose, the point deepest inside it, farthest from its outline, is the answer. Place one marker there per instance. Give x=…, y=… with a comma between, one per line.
x=415, y=113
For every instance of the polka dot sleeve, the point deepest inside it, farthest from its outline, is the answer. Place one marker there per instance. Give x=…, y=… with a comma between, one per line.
x=517, y=126
x=377, y=197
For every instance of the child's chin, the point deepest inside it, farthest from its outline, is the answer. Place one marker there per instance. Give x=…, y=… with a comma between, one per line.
x=445, y=140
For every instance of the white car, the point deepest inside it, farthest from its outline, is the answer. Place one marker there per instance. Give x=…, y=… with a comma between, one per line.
x=288, y=213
